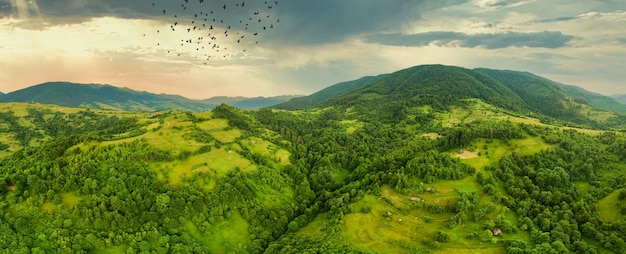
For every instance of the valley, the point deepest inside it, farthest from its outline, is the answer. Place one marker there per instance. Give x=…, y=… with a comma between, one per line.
x=387, y=164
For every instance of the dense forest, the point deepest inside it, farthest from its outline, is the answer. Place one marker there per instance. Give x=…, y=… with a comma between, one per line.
x=465, y=175
x=105, y=182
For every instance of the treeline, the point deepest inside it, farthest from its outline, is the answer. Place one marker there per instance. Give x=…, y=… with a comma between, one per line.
x=464, y=134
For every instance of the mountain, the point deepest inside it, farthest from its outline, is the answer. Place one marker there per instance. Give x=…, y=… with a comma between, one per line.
x=424, y=84
x=390, y=96
x=250, y=103
x=102, y=97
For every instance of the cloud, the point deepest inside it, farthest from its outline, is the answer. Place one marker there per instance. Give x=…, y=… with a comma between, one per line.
x=301, y=22
x=501, y=3
x=545, y=39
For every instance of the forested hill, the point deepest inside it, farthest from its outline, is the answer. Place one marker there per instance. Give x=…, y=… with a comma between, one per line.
x=391, y=96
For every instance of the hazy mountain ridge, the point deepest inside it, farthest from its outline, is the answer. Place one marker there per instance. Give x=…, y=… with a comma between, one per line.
x=621, y=98
x=111, y=97
x=250, y=102
x=328, y=92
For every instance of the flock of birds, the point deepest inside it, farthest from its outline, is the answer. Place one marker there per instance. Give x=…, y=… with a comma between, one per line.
x=210, y=30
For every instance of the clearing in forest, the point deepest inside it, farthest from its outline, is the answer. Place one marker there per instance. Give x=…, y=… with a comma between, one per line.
x=395, y=223
x=608, y=207
x=209, y=166
x=267, y=149
x=226, y=236
x=489, y=152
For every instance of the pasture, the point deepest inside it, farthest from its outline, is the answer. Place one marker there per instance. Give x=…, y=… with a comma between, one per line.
x=204, y=168
x=393, y=223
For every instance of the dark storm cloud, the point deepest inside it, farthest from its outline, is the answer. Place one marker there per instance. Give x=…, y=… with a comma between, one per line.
x=301, y=22
x=320, y=21
x=546, y=39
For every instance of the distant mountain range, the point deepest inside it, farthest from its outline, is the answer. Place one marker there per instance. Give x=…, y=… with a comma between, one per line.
x=619, y=97
x=382, y=96
x=111, y=97
x=390, y=96
x=250, y=102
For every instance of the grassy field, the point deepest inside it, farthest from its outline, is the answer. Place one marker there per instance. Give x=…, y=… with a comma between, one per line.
x=351, y=125
x=489, y=153
x=481, y=111
x=70, y=199
x=392, y=223
x=226, y=235
x=213, y=125
x=608, y=207
x=7, y=138
x=268, y=149
x=213, y=164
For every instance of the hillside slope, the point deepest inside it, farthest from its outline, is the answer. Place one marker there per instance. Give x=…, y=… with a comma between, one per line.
x=327, y=93
x=553, y=99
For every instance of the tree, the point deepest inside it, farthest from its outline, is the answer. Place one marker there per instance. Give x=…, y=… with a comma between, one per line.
x=293, y=226
x=162, y=202
x=486, y=235
x=622, y=195
x=442, y=237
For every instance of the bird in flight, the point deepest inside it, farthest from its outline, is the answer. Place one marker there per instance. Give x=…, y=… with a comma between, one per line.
x=196, y=17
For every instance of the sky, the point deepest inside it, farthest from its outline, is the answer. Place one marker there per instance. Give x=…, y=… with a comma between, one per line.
x=297, y=47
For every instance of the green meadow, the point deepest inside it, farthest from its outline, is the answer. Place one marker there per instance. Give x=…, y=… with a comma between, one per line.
x=202, y=168
x=609, y=207
x=393, y=223
x=486, y=152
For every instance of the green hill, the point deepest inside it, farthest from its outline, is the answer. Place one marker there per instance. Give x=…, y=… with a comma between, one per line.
x=392, y=96
x=461, y=166
x=435, y=86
